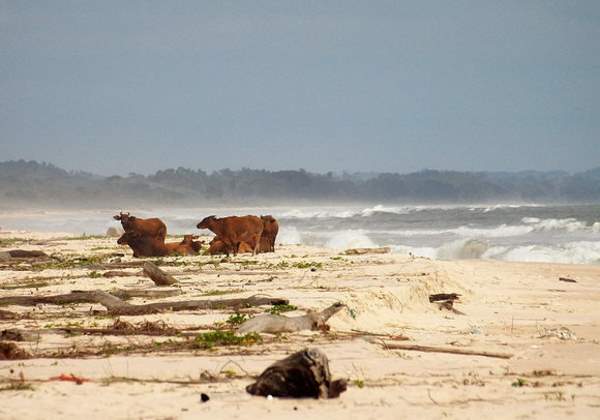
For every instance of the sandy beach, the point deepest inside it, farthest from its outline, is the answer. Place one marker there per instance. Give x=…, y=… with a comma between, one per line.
x=548, y=329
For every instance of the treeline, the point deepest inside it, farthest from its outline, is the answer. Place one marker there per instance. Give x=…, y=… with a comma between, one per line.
x=41, y=184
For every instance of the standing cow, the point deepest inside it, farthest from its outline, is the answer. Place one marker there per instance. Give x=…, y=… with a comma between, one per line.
x=270, y=230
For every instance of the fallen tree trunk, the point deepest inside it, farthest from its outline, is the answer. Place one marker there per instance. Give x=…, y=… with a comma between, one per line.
x=451, y=350
x=159, y=277
x=116, y=306
x=145, y=293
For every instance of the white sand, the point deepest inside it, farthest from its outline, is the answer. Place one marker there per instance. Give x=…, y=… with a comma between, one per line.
x=508, y=307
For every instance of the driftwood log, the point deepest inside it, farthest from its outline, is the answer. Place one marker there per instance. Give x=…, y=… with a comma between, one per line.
x=304, y=374
x=567, y=280
x=451, y=350
x=278, y=323
x=363, y=251
x=159, y=277
x=21, y=253
x=116, y=306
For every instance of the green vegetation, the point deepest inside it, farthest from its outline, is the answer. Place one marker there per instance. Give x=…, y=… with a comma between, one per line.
x=520, y=382
x=359, y=383
x=236, y=319
x=216, y=292
x=211, y=339
x=17, y=386
x=278, y=309
x=307, y=264
x=9, y=242
x=25, y=285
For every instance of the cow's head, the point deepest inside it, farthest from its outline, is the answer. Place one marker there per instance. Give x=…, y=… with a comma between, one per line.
x=128, y=238
x=206, y=222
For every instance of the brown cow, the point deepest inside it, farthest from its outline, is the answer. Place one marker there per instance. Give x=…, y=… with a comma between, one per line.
x=143, y=246
x=152, y=228
x=217, y=246
x=234, y=230
x=270, y=230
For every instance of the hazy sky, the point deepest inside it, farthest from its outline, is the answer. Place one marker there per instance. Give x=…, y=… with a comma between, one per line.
x=116, y=87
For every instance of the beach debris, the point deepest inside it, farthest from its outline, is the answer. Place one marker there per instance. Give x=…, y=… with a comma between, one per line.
x=204, y=397
x=15, y=334
x=69, y=378
x=158, y=276
x=115, y=273
x=435, y=349
x=113, y=232
x=363, y=251
x=21, y=253
x=567, y=280
x=10, y=351
x=116, y=306
x=270, y=323
x=304, y=374
x=446, y=301
x=562, y=333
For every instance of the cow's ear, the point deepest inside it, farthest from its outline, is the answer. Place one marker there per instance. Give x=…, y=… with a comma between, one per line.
x=117, y=217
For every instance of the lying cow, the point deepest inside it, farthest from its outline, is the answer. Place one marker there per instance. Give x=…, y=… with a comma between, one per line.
x=143, y=246
x=152, y=228
x=234, y=230
x=270, y=230
x=217, y=246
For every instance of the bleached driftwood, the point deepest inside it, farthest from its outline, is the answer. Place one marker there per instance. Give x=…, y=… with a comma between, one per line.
x=159, y=277
x=278, y=323
x=363, y=251
x=451, y=350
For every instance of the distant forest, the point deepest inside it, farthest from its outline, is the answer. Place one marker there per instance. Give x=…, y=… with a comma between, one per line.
x=33, y=184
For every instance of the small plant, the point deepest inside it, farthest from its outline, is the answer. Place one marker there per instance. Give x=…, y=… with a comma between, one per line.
x=520, y=382
x=225, y=338
x=278, y=309
x=236, y=319
x=337, y=258
x=352, y=313
x=359, y=383
x=307, y=264
x=94, y=275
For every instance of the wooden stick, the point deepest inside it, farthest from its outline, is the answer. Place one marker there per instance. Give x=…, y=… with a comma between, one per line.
x=451, y=350
x=159, y=277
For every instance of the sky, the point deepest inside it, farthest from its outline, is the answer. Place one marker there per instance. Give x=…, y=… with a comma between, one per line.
x=114, y=87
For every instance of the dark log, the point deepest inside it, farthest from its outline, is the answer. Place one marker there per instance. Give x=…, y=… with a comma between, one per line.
x=21, y=253
x=304, y=374
x=444, y=297
x=451, y=350
x=159, y=277
x=565, y=279
x=10, y=351
x=116, y=306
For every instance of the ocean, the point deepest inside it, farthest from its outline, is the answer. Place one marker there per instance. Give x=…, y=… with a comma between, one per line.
x=510, y=232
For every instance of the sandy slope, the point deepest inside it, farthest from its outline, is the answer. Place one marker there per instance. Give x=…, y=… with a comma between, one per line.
x=509, y=307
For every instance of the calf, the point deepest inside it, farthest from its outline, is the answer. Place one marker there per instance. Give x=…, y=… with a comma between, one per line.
x=217, y=246
x=234, y=230
x=153, y=228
